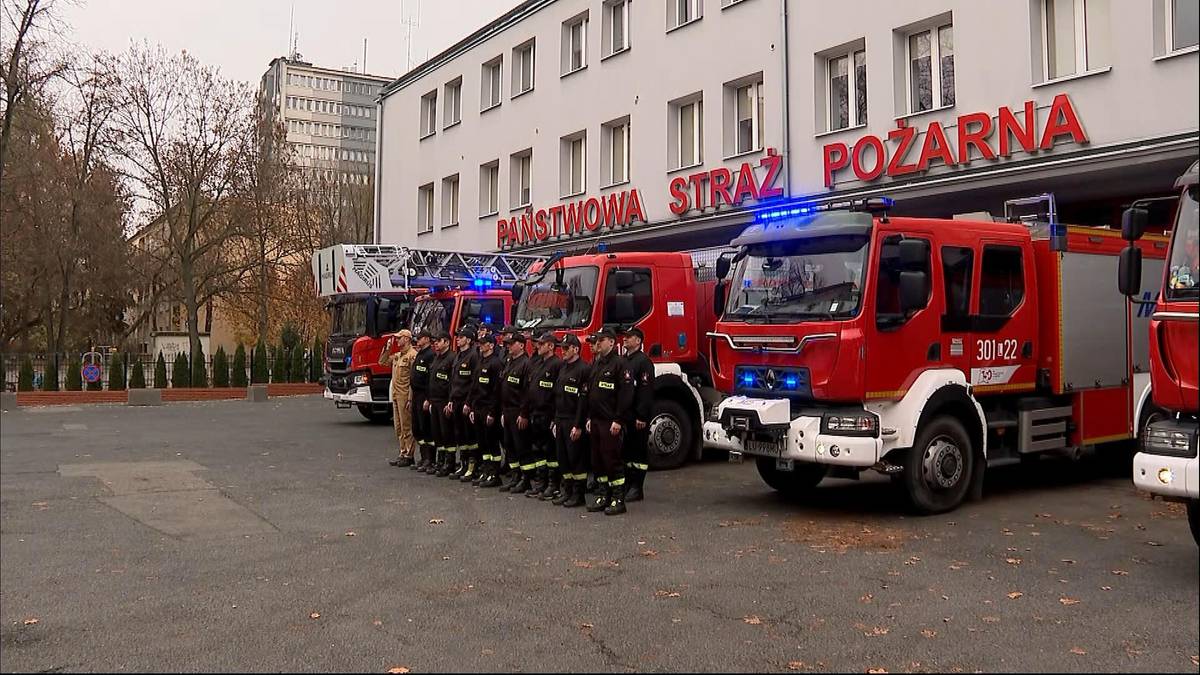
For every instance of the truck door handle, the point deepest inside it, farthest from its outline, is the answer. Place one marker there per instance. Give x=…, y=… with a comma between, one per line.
x=934, y=353
x=1027, y=349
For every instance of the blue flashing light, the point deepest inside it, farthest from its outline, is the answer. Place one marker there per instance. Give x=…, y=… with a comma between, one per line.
x=791, y=382
x=601, y=247
x=480, y=283
x=748, y=379
x=487, y=318
x=347, y=360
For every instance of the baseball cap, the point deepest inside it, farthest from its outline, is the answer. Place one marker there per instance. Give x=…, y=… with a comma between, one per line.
x=441, y=335
x=570, y=340
x=513, y=336
x=603, y=333
x=466, y=331
x=489, y=338
x=637, y=332
x=546, y=336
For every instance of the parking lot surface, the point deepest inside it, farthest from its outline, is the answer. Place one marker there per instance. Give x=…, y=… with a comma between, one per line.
x=274, y=536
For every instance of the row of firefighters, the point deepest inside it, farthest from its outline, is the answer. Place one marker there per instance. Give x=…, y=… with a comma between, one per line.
x=486, y=412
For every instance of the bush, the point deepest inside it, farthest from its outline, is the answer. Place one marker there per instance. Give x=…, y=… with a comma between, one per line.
x=199, y=369
x=50, y=374
x=137, y=374
x=314, y=361
x=74, y=377
x=299, y=368
x=220, y=368
x=116, y=373
x=25, y=375
x=260, y=367
x=239, y=367
x=160, y=372
x=289, y=337
x=280, y=367
x=181, y=375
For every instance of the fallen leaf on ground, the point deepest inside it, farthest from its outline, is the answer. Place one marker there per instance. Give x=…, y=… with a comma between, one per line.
x=666, y=594
x=1067, y=561
x=1154, y=543
x=583, y=564
x=1077, y=651
x=752, y=620
x=929, y=633
x=876, y=670
x=991, y=619
x=1196, y=660
x=314, y=615
x=1014, y=595
x=1068, y=601
x=1120, y=573
x=795, y=665
x=866, y=598
x=876, y=631
x=350, y=534
x=31, y=621
x=436, y=521
x=648, y=553
x=1013, y=561
x=398, y=669
x=1106, y=588
x=586, y=626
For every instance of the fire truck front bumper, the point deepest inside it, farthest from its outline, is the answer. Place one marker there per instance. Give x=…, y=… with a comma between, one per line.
x=1169, y=464
x=766, y=428
x=355, y=395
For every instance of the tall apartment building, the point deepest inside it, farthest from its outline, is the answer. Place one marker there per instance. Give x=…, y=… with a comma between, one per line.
x=329, y=114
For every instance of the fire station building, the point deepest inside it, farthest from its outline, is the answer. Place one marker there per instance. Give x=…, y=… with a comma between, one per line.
x=667, y=124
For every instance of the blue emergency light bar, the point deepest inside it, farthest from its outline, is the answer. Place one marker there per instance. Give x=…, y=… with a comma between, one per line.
x=482, y=284
x=874, y=205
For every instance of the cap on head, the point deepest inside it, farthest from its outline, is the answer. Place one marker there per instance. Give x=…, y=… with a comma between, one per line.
x=603, y=333
x=570, y=340
x=636, y=332
x=513, y=336
x=467, y=332
x=486, y=339
x=546, y=336
x=404, y=333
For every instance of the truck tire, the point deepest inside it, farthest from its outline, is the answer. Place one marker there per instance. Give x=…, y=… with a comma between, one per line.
x=1193, y=509
x=938, y=468
x=375, y=414
x=795, y=483
x=671, y=436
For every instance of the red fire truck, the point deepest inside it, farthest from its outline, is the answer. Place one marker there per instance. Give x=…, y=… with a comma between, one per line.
x=670, y=297
x=1167, y=462
x=377, y=289
x=924, y=349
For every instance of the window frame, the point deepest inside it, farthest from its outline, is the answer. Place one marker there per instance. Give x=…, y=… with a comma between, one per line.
x=567, y=188
x=892, y=322
x=852, y=121
x=429, y=114
x=426, y=198
x=492, y=171
x=993, y=322
x=519, y=53
x=497, y=98
x=756, y=117
x=451, y=202
x=695, y=7
x=935, y=71
x=454, y=85
x=522, y=172
x=1172, y=48
x=609, y=129
x=1079, y=33
x=569, y=26
x=697, y=132
x=609, y=27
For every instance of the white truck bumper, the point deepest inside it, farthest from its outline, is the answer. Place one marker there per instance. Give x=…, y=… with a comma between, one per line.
x=1177, y=477
x=801, y=438
x=356, y=395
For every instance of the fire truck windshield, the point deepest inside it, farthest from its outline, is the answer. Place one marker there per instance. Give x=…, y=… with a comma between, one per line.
x=547, y=304
x=786, y=285
x=349, y=317
x=1183, y=282
x=433, y=316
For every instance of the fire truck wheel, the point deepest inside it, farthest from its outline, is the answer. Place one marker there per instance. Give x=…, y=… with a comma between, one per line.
x=1193, y=509
x=938, y=468
x=375, y=415
x=795, y=483
x=670, y=437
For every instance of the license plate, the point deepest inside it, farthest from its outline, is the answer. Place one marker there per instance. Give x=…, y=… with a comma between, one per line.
x=768, y=448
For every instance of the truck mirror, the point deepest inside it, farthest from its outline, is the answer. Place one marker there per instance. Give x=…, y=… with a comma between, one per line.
x=724, y=262
x=1129, y=270
x=623, y=309
x=913, y=254
x=518, y=289
x=623, y=279
x=914, y=290
x=719, y=297
x=1133, y=223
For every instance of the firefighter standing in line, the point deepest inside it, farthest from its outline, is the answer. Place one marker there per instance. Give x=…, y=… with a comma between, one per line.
x=541, y=407
x=420, y=393
x=439, y=396
x=609, y=400
x=462, y=382
x=400, y=355
x=485, y=411
x=569, y=410
x=637, y=436
x=514, y=411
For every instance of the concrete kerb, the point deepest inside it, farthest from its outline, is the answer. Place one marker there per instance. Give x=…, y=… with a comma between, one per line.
x=256, y=393
x=8, y=400
x=145, y=397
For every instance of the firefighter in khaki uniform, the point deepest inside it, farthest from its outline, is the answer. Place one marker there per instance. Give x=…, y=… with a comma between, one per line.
x=400, y=355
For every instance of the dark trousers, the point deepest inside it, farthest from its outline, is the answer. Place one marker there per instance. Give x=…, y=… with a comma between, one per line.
x=541, y=445
x=487, y=438
x=442, y=431
x=573, y=458
x=606, y=453
x=420, y=427
x=464, y=431
x=635, y=450
x=516, y=441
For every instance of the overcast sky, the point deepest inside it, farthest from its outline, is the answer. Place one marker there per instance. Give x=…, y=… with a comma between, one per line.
x=242, y=36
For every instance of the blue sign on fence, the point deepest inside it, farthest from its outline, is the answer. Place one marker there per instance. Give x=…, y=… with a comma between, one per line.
x=91, y=372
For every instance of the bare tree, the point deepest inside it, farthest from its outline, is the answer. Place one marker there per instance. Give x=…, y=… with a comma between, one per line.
x=27, y=63
x=184, y=132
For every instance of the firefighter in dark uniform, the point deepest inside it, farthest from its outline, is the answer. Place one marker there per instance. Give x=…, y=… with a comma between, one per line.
x=514, y=410
x=439, y=397
x=420, y=393
x=541, y=392
x=609, y=402
x=569, y=415
x=462, y=382
x=637, y=434
x=485, y=411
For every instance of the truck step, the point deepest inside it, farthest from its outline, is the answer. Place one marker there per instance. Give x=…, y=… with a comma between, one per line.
x=1043, y=429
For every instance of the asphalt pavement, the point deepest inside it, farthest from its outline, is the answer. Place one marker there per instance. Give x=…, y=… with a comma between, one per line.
x=273, y=536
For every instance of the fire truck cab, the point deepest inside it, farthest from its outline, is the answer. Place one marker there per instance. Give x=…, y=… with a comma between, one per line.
x=925, y=349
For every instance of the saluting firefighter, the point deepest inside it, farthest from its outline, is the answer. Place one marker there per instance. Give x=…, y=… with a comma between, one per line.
x=514, y=411
x=570, y=415
x=439, y=397
x=400, y=355
x=609, y=403
x=541, y=407
x=419, y=381
x=485, y=411
x=462, y=382
x=641, y=375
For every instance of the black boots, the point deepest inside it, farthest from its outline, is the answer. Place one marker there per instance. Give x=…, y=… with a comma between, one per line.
x=564, y=492
x=635, y=482
x=552, y=488
x=575, y=496
x=513, y=481
x=616, y=505
x=600, y=501
x=537, y=483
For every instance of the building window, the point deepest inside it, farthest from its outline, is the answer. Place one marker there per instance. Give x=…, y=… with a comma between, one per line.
x=687, y=138
x=429, y=114
x=930, y=68
x=450, y=201
x=574, y=44
x=489, y=188
x=616, y=27
x=425, y=208
x=681, y=12
x=847, y=98
x=573, y=164
x=1077, y=37
x=489, y=93
x=522, y=72
x=521, y=184
x=1183, y=24
x=453, y=107
x=614, y=159
x=744, y=110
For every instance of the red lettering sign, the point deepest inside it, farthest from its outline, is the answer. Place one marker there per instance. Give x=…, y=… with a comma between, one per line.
x=977, y=137
x=585, y=216
x=716, y=187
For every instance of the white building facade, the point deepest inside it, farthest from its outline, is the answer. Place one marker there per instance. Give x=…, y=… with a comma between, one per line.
x=667, y=124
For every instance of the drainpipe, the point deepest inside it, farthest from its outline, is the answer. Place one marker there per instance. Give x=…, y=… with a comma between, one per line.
x=787, y=108
x=378, y=169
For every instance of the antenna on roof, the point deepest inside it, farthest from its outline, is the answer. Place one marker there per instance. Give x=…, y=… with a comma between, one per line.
x=291, y=27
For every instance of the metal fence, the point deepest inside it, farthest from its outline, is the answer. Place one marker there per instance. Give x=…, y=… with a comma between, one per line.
x=46, y=365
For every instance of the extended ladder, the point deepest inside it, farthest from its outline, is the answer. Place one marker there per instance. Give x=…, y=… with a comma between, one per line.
x=380, y=268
